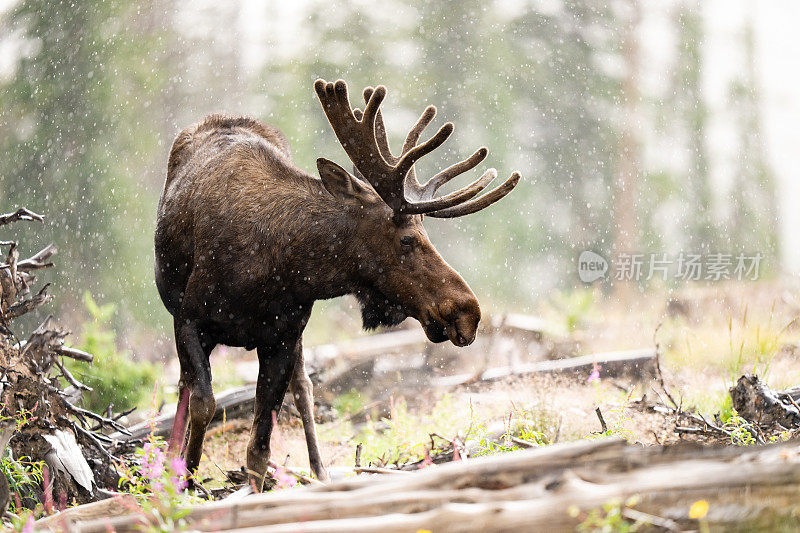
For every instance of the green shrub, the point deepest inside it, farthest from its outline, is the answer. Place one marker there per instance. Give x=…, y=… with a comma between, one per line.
x=23, y=474
x=571, y=310
x=115, y=378
x=349, y=403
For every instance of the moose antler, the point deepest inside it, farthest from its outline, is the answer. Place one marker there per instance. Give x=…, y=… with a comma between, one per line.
x=363, y=137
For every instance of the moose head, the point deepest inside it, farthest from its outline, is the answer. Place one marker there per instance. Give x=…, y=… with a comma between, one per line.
x=403, y=274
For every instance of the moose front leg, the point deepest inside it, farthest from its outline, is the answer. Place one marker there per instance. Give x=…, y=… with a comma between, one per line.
x=303, y=394
x=275, y=367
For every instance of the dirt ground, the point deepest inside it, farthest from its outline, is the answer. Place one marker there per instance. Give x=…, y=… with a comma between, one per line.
x=707, y=338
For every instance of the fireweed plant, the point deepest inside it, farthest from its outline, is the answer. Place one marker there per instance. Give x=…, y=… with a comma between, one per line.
x=158, y=481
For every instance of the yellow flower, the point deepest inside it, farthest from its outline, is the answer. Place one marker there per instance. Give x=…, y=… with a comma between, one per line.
x=424, y=531
x=698, y=510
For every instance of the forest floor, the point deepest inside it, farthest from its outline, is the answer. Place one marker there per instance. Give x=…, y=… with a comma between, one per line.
x=707, y=338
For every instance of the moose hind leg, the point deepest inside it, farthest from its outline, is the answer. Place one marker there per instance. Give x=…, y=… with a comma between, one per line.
x=193, y=351
x=303, y=394
x=178, y=435
x=275, y=370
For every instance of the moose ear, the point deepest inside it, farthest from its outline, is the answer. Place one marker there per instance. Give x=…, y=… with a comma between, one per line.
x=339, y=182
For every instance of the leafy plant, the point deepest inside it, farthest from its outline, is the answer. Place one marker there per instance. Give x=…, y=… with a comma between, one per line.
x=406, y=436
x=753, y=344
x=522, y=429
x=23, y=474
x=609, y=518
x=115, y=378
x=616, y=427
x=574, y=307
x=741, y=431
x=349, y=403
x=158, y=482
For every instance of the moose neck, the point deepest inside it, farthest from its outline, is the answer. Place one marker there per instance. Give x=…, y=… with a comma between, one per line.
x=316, y=242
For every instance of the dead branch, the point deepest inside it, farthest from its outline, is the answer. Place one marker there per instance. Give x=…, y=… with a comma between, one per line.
x=522, y=443
x=38, y=261
x=19, y=214
x=301, y=477
x=603, y=426
x=638, y=364
x=757, y=403
x=74, y=353
x=98, y=418
x=69, y=377
x=378, y=470
x=26, y=306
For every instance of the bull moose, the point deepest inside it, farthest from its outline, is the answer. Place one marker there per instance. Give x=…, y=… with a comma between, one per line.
x=246, y=242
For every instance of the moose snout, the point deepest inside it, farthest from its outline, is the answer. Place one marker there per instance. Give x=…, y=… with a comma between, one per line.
x=457, y=319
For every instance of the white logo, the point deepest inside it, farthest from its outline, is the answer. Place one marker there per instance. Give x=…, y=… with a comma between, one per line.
x=591, y=266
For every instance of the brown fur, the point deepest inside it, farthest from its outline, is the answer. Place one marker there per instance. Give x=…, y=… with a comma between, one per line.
x=246, y=242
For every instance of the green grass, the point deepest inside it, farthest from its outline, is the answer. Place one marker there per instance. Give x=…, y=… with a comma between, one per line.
x=730, y=345
x=349, y=403
x=405, y=436
x=571, y=310
x=24, y=477
x=408, y=435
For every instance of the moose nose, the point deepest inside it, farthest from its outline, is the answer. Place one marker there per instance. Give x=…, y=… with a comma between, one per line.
x=462, y=321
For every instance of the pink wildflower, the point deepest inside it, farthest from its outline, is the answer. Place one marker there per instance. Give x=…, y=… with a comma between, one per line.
x=152, y=462
x=456, y=454
x=283, y=478
x=595, y=375
x=426, y=461
x=49, y=508
x=178, y=467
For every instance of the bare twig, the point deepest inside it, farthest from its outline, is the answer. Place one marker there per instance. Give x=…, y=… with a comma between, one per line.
x=377, y=470
x=26, y=306
x=19, y=214
x=645, y=518
x=304, y=479
x=603, y=426
x=69, y=377
x=115, y=418
x=93, y=439
x=94, y=416
x=359, y=448
x=522, y=443
x=74, y=353
x=659, y=374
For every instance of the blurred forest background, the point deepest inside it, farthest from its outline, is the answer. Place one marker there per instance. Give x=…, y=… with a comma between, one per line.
x=637, y=125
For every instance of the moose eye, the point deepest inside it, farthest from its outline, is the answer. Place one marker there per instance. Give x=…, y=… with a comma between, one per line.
x=407, y=242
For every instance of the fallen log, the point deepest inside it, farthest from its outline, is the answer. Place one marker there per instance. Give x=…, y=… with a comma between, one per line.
x=634, y=364
x=535, y=489
x=230, y=404
x=757, y=403
x=118, y=505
